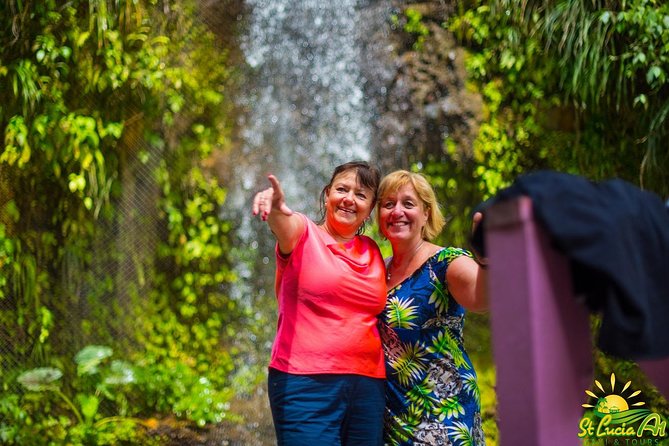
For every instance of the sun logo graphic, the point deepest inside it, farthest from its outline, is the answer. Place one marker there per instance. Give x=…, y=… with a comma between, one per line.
x=617, y=412
x=611, y=402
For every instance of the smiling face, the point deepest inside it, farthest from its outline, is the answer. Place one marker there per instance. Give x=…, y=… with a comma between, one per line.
x=347, y=204
x=402, y=214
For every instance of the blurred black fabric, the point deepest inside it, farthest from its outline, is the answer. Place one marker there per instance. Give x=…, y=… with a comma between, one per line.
x=616, y=237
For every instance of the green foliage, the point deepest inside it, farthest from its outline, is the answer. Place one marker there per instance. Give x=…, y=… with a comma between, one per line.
x=61, y=152
x=614, y=56
x=578, y=87
x=178, y=389
x=31, y=418
x=93, y=94
x=451, y=178
x=512, y=78
x=190, y=314
x=96, y=408
x=416, y=27
x=412, y=23
x=572, y=86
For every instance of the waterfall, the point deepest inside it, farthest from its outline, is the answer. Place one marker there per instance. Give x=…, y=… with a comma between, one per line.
x=306, y=107
x=307, y=111
x=311, y=66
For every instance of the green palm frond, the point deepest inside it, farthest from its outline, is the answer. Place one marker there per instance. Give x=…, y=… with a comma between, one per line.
x=413, y=415
x=440, y=295
x=394, y=441
x=444, y=343
x=410, y=362
x=461, y=433
x=448, y=408
x=451, y=253
x=420, y=395
x=439, y=298
x=400, y=312
x=471, y=387
x=401, y=428
x=583, y=42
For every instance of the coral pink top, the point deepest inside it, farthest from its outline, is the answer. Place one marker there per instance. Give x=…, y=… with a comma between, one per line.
x=329, y=295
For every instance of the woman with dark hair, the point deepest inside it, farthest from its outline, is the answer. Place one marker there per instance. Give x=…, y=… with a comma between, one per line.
x=326, y=372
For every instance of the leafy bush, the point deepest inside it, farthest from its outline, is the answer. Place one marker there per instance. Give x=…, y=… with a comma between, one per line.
x=110, y=227
x=92, y=410
x=179, y=389
x=572, y=86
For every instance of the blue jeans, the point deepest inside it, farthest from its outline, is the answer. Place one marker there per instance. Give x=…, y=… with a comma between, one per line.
x=327, y=409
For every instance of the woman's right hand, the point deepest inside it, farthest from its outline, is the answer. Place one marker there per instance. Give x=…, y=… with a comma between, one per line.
x=271, y=198
x=286, y=225
x=476, y=221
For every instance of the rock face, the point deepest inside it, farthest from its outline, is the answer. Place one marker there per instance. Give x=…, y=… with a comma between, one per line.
x=425, y=99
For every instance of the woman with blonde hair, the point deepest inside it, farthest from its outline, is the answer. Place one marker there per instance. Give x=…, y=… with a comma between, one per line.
x=432, y=397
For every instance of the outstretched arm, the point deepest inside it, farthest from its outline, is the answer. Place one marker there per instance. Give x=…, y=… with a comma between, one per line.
x=467, y=279
x=468, y=283
x=286, y=226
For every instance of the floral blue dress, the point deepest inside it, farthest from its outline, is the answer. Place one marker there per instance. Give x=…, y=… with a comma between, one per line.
x=432, y=397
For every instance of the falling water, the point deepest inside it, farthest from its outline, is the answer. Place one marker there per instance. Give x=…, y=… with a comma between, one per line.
x=312, y=71
x=306, y=108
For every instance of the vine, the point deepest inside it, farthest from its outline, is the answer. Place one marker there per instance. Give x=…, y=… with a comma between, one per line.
x=102, y=101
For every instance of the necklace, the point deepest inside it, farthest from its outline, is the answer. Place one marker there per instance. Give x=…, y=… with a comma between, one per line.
x=392, y=263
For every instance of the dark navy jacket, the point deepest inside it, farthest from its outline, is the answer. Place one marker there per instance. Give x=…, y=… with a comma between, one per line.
x=616, y=237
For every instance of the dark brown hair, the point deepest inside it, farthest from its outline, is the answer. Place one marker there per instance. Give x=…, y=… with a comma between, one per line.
x=367, y=175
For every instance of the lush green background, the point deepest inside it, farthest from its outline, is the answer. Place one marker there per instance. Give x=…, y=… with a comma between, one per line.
x=574, y=86
x=109, y=227
x=112, y=113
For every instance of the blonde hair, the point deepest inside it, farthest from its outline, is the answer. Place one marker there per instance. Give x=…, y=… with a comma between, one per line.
x=392, y=182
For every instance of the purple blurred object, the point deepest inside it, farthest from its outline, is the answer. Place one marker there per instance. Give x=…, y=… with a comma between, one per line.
x=540, y=332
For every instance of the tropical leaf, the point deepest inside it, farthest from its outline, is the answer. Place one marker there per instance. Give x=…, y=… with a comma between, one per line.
x=89, y=405
x=461, y=433
x=470, y=385
x=581, y=37
x=452, y=253
x=438, y=297
x=399, y=312
x=445, y=344
x=90, y=357
x=121, y=372
x=39, y=379
x=449, y=408
x=400, y=428
x=412, y=416
x=399, y=431
x=410, y=362
x=420, y=395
